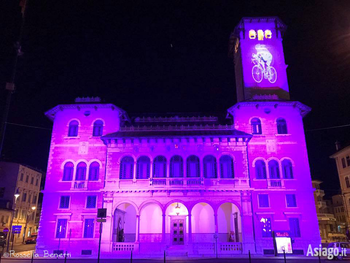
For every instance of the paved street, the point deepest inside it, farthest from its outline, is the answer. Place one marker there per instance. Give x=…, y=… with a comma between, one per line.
x=209, y=260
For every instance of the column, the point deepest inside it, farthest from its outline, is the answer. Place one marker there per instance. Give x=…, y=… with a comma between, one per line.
x=248, y=237
x=137, y=238
x=163, y=228
x=189, y=228
x=135, y=171
x=151, y=171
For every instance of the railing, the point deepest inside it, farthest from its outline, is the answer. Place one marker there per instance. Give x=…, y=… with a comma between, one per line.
x=230, y=248
x=123, y=246
x=80, y=185
x=275, y=183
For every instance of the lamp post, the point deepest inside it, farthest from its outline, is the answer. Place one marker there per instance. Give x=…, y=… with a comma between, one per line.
x=25, y=228
x=16, y=195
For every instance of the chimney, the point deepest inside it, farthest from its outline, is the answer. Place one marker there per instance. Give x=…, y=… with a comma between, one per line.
x=337, y=145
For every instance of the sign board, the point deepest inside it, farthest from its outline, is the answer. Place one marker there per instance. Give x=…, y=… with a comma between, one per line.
x=102, y=212
x=16, y=229
x=5, y=230
x=101, y=220
x=283, y=242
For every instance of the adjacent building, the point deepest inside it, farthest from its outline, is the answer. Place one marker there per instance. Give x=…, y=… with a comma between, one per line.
x=188, y=185
x=23, y=181
x=342, y=159
x=339, y=213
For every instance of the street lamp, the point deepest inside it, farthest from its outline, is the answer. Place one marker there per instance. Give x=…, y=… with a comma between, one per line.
x=16, y=195
x=25, y=228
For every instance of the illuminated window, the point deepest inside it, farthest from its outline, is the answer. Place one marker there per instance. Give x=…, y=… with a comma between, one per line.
x=64, y=202
x=342, y=161
x=294, y=227
x=176, y=166
x=89, y=228
x=347, y=182
x=127, y=168
x=252, y=34
x=209, y=167
x=264, y=200
x=73, y=129
x=268, y=33
x=256, y=126
x=159, y=167
x=291, y=200
x=98, y=128
x=226, y=167
x=266, y=227
x=68, y=172
x=274, y=170
x=61, y=228
x=287, y=169
x=260, y=34
x=94, y=171
x=143, y=167
x=81, y=172
x=193, y=166
x=260, y=169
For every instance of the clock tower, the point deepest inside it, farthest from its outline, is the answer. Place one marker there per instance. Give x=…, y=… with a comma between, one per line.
x=256, y=44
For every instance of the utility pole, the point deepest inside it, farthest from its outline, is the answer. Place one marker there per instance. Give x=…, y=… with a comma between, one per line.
x=10, y=86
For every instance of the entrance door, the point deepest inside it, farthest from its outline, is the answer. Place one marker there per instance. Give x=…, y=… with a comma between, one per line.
x=177, y=231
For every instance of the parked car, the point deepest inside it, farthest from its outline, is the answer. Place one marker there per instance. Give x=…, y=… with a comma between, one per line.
x=2, y=239
x=32, y=239
x=342, y=246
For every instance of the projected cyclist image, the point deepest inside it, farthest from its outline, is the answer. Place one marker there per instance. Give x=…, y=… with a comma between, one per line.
x=262, y=68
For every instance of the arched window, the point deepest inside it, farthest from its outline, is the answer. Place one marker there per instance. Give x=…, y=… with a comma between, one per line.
x=209, y=167
x=260, y=169
x=287, y=169
x=176, y=166
x=98, y=128
x=143, y=167
x=274, y=169
x=281, y=126
x=193, y=166
x=73, y=129
x=256, y=126
x=127, y=168
x=94, y=171
x=81, y=172
x=159, y=167
x=347, y=182
x=68, y=171
x=226, y=167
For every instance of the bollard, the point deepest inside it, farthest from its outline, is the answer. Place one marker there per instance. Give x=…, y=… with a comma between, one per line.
x=284, y=256
x=1, y=254
x=65, y=257
x=131, y=257
x=31, y=261
x=250, y=258
x=164, y=257
x=319, y=258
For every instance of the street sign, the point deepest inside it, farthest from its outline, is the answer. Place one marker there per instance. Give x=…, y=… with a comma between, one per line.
x=101, y=220
x=102, y=212
x=5, y=230
x=16, y=229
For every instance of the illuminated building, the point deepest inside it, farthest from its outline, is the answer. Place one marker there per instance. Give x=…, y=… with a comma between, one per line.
x=189, y=185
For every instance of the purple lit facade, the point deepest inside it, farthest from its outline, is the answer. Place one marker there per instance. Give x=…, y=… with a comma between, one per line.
x=188, y=185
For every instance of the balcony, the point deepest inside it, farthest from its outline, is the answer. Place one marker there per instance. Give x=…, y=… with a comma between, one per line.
x=79, y=185
x=275, y=183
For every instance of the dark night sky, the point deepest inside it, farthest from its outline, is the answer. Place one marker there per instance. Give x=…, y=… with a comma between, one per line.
x=168, y=56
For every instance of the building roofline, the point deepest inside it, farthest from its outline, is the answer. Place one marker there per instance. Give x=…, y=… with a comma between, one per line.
x=337, y=153
x=304, y=110
x=52, y=112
